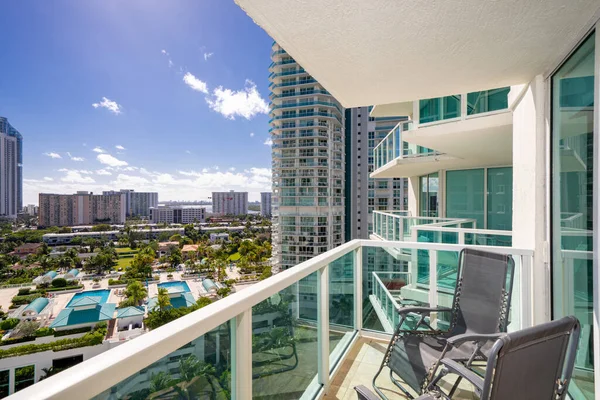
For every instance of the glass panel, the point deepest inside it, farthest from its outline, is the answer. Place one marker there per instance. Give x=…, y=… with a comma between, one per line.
x=572, y=204
x=284, y=341
x=4, y=383
x=464, y=195
x=429, y=195
x=431, y=110
x=487, y=100
x=199, y=369
x=24, y=376
x=341, y=306
x=499, y=201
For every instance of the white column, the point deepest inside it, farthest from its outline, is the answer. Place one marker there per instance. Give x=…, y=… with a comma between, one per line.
x=358, y=287
x=241, y=356
x=529, y=188
x=323, y=325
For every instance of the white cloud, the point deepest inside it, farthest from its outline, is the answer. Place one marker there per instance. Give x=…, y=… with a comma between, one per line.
x=188, y=152
x=110, y=105
x=111, y=161
x=73, y=158
x=244, y=103
x=195, y=83
x=232, y=169
x=268, y=142
x=130, y=180
x=119, y=147
x=52, y=155
x=130, y=169
x=76, y=177
x=98, y=150
x=207, y=56
x=251, y=134
x=103, y=172
x=48, y=179
x=79, y=171
x=164, y=52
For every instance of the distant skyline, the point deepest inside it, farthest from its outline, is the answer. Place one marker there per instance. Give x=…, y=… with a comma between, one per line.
x=146, y=95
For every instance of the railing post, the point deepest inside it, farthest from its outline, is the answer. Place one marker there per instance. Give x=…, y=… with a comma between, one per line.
x=433, y=287
x=526, y=293
x=241, y=357
x=358, y=287
x=323, y=325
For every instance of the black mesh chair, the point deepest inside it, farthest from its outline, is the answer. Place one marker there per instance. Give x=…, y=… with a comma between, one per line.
x=480, y=306
x=534, y=363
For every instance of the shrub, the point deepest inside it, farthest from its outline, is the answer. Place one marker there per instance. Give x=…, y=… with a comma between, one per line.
x=96, y=280
x=169, y=275
x=24, y=291
x=63, y=288
x=9, y=323
x=20, y=300
x=72, y=331
x=59, y=283
x=17, y=340
x=45, y=331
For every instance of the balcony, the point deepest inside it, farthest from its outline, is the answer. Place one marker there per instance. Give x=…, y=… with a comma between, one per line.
x=462, y=131
x=298, y=334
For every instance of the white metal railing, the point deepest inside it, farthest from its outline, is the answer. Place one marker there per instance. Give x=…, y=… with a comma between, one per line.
x=92, y=377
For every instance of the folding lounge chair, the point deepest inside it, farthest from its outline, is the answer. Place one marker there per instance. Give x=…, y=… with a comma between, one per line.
x=480, y=306
x=534, y=363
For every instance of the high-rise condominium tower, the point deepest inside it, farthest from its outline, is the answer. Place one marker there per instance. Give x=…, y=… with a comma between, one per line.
x=230, y=203
x=363, y=193
x=82, y=208
x=266, y=204
x=11, y=170
x=137, y=204
x=308, y=163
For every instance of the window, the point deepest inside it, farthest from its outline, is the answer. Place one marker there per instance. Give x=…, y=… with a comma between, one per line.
x=572, y=223
x=4, y=383
x=24, y=377
x=465, y=195
x=428, y=206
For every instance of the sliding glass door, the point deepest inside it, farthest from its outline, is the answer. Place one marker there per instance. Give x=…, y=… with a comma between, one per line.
x=572, y=204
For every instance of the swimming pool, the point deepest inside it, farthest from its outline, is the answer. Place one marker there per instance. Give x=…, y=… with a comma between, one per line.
x=100, y=295
x=175, y=286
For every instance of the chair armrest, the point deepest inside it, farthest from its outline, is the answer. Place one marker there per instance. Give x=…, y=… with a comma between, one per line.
x=458, y=369
x=422, y=310
x=365, y=394
x=472, y=337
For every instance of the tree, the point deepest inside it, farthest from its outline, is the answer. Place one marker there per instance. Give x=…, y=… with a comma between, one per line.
x=266, y=273
x=175, y=257
x=163, y=300
x=136, y=293
x=223, y=292
x=160, y=381
x=25, y=329
x=203, y=302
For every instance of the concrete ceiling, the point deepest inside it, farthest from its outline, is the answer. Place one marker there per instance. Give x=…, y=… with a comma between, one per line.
x=387, y=51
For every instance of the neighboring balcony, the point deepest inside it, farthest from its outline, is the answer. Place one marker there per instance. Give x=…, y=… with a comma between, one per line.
x=462, y=131
x=319, y=326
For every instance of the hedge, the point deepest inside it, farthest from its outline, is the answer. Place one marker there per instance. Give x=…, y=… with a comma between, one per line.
x=59, y=283
x=73, y=331
x=89, y=339
x=45, y=331
x=64, y=288
x=17, y=340
x=9, y=323
x=20, y=300
x=24, y=291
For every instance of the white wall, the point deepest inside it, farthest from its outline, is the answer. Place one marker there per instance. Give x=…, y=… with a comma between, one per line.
x=529, y=189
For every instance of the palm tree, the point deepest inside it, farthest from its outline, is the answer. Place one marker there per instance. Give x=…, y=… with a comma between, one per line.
x=160, y=381
x=163, y=301
x=136, y=293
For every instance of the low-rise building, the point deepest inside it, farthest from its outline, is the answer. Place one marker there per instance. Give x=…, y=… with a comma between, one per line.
x=26, y=249
x=177, y=215
x=142, y=234
x=219, y=236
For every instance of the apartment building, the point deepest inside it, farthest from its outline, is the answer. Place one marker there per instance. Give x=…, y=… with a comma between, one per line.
x=308, y=163
x=177, y=214
x=31, y=209
x=82, y=208
x=265, y=204
x=11, y=170
x=138, y=204
x=363, y=193
x=230, y=203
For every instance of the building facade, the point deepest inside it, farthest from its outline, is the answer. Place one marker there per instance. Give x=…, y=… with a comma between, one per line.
x=137, y=204
x=177, y=215
x=308, y=163
x=265, y=204
x=11, y=170
x=31, y=209
x=82, y=208
x=230, y=203
x=363, y=193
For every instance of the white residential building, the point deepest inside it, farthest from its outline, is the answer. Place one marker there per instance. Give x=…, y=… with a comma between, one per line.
x=230, y=203
x=177, y=214
x=138, y=204
x=265, y=204
x=11, y=170
x=31, y=209
x=308, y=163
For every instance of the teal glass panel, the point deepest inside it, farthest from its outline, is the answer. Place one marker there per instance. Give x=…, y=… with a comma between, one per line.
x=465, y=195
x=573, y=190
x=428, y=199
x=440, y=108
x=341, y=306
x=200, y=369
x=284, y=342
x=4, y=383
x=499, y=201
x=487, y=101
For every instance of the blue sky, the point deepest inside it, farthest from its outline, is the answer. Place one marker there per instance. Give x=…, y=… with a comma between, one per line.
x=180, y=86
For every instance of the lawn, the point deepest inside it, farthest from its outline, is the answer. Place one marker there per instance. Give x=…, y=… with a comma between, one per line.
x=125, y=250
x=234, y=257
x=123, y=262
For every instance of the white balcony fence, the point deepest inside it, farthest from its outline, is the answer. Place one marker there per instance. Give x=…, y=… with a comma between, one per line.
x=324, y=305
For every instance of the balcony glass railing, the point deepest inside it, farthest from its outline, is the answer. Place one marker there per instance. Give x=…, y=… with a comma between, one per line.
x=284, y=336
x=392, y=146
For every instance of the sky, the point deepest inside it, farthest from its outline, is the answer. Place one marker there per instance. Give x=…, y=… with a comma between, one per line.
x=167, y=96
